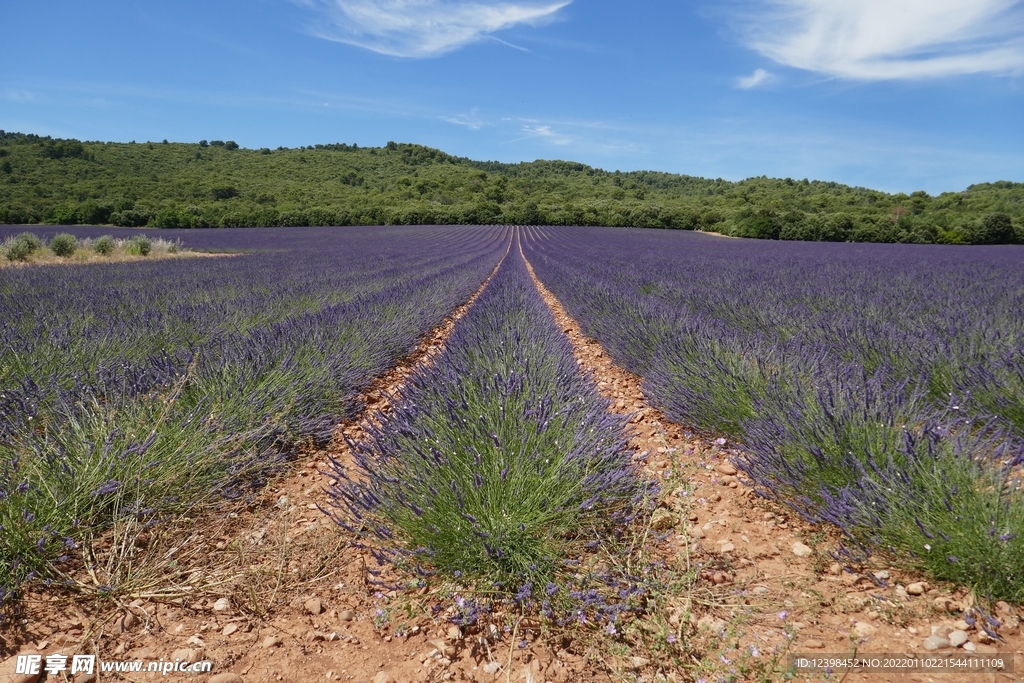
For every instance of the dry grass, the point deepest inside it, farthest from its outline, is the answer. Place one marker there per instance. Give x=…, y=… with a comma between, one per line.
x=85, y=253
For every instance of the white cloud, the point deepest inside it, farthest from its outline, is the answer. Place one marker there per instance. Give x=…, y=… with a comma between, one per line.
x=423, y=28
x=546, y=132
x=890, y=39
x=759, y=77
x=534, y=129
x=471, y=121
x=19, y=96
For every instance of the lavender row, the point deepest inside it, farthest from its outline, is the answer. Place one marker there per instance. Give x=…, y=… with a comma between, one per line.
x=859, y=377
x=177, y=382
x=70, y=320
x=500, y=460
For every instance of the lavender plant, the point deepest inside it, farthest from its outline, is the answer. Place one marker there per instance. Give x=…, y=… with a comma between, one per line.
x=499, y=461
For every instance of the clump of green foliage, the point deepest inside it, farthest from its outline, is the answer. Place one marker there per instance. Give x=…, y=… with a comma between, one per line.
x=105, y=245
x=22, y=246
x=17, y=251
x=140, y=246
x=63, y=244
x=219, y=184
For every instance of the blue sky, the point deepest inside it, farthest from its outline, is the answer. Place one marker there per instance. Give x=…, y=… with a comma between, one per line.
x=899, y=95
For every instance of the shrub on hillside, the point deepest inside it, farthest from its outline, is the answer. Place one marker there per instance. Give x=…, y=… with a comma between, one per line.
x=130, y=218
x=64, y=214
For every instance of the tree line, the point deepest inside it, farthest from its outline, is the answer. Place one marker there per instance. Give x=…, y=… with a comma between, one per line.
x=220, y=184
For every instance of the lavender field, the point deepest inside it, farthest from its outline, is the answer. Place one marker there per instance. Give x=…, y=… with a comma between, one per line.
x=876, y=388
x=146, y=388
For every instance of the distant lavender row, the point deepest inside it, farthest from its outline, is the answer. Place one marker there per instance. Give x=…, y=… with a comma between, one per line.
x=500, y=460
x=949, y=315
x=124, y=382
x=71, y=320
x=876, y=387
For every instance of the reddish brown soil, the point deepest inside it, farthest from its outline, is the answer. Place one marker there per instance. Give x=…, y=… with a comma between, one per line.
x=297, y=605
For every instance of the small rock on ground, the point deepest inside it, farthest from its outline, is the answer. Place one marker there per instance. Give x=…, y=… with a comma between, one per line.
x=864, y=630
x=801, y=550
x=932, y=643
x=958, y=638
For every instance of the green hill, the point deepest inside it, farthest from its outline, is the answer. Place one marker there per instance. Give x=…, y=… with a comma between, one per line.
x=220, y=184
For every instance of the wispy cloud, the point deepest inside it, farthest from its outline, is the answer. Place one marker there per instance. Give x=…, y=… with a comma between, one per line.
x=889, y=39
x=19, y=96
x=547, y=133
x=531, y=129
x=471, y=120
x=423, y=28
x=759, y=77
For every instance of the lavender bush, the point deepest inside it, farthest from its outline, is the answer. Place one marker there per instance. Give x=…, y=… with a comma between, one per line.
x=500, y=460
x=877, y=387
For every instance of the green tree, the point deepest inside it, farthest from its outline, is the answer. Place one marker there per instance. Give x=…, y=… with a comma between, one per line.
x=995, y=228
x=65, y=214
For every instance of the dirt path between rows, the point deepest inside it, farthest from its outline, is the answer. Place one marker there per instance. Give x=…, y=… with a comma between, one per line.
x=276, y=591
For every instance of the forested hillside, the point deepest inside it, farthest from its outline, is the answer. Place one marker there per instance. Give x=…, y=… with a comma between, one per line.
x=218, y=183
